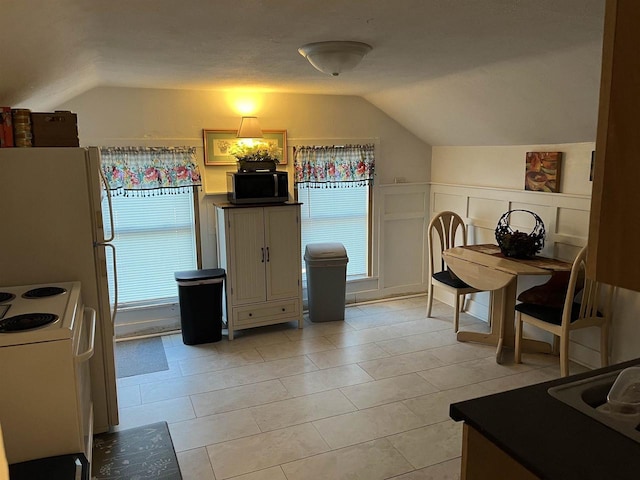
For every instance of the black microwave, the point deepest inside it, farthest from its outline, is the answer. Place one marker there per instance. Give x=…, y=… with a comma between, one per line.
x=257, y=187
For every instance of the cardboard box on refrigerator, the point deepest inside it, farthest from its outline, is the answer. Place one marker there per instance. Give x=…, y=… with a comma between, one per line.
x=57, y=129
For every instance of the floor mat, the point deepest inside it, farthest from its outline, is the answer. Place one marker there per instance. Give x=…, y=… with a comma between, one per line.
x=137, y=357
x=136, y=453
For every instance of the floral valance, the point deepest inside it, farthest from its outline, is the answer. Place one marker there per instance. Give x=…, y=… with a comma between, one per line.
x=329, y=166
x=150, y=170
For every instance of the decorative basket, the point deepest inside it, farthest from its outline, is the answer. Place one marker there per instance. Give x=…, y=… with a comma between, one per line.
x=518, y=244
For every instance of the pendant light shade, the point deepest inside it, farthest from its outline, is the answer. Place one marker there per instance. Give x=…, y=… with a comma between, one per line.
x=333, y=58
x=249, y=128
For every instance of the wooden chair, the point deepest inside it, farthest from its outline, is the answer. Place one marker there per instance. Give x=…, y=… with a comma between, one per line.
x=443, y=231
x=587, y=304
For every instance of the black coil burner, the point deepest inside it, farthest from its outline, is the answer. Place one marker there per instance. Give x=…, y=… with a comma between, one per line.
x=6, y=296
x=26, y=321
x=44, y=292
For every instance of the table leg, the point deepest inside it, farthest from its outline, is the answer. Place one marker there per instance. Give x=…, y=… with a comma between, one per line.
x=493, y=337
x=490, y=338
x=505, y=302
x=502, y=334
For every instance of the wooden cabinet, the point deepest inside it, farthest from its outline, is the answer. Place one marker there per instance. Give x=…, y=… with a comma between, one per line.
x=484, y=460
x=615, y=200
x=259, y=247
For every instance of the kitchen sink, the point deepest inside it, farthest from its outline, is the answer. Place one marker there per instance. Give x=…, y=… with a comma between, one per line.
x=589, y=396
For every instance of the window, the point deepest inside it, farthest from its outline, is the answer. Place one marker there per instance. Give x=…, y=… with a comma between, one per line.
x=338, y=214
x=154, y=212
x=155, y=237
x=333, y=183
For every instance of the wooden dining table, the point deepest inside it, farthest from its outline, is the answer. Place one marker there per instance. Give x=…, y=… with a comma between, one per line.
x=485, y=267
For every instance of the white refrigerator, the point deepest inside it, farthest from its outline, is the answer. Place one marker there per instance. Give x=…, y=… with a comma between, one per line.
x=51, y=230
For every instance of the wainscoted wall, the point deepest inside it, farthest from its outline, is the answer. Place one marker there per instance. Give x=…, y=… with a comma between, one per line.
x=401, y=217
x=566, y=217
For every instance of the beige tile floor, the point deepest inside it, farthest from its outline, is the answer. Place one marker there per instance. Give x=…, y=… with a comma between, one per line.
x=365, y=398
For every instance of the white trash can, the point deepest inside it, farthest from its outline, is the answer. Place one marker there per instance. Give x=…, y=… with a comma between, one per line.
x=326, y=280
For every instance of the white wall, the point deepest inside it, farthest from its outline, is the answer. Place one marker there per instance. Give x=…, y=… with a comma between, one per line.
x=481, y=183
x=504, y=167
x=149, y=117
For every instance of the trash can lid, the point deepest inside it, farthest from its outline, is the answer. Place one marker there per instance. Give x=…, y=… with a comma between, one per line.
x=197, y=275
x=329, y=251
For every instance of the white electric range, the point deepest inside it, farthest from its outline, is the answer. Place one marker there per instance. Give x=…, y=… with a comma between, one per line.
x=46, y=341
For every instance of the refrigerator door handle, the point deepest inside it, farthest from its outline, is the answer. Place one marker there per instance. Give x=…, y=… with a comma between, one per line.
x=108, y=192
x=106, y=243
x=115, y=278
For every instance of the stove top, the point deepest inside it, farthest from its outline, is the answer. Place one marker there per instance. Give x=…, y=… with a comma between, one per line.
x=35, y=313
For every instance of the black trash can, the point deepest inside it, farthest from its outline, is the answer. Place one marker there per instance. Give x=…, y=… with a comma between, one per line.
x=200, y=293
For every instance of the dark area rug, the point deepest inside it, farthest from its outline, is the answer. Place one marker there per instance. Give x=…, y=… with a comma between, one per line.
x=137, y=357
x=135, y=454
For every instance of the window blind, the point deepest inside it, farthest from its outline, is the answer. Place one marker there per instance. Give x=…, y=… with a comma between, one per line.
x=154, y=238
x=338, y=214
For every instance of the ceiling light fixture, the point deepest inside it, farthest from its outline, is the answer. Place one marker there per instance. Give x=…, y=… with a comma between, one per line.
x=249, y=128
x=333, y=58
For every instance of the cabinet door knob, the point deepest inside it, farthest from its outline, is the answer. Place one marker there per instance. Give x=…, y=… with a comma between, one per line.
x=262, y=249
x=251, y=314
x=284, y=309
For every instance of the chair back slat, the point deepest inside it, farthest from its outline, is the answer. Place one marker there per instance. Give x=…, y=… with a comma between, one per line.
x=594, y=297
x=592, y=305
x=446, y=226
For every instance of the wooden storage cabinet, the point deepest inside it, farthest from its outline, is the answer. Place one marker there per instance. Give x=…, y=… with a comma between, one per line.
x=484, y=460
x=259, y=247
x=615, y=198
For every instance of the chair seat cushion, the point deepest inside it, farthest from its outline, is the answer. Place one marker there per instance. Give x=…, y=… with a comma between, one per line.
x=448, y=278
x=547, y=314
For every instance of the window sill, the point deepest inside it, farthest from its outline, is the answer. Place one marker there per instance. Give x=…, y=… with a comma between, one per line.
x=148, y=304
x=355, y=283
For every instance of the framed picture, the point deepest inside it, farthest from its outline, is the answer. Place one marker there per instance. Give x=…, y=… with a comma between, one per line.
x=542, y=171
x=218, y=142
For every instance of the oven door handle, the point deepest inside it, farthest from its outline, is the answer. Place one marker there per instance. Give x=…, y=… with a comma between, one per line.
x=86, y=355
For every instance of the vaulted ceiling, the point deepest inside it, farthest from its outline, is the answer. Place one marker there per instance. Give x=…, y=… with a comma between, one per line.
x=454, y=72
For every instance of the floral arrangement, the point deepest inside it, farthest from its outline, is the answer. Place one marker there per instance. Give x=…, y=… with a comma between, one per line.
x=256, y=151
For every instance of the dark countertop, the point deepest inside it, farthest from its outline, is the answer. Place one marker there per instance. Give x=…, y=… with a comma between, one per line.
x=551, y=439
